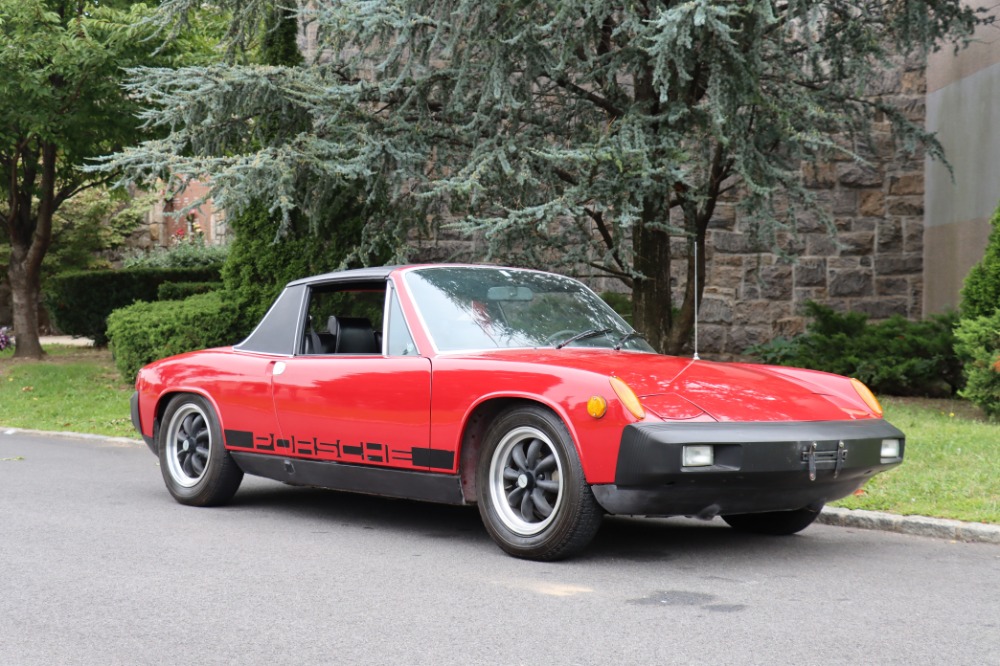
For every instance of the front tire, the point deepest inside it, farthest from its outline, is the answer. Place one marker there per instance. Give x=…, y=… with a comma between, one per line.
x=776, y=523
x=531, y=491
x=196, y=467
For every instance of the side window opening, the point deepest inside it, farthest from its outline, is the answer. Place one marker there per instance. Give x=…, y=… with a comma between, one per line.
x=344, y=320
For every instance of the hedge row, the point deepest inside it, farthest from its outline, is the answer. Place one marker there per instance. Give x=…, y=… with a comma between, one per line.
x=81, y=301
x=178, y=291
x=896, y=356
x=144, y=332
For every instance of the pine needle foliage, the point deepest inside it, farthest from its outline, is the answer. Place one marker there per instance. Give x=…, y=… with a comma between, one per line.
x=577, y=133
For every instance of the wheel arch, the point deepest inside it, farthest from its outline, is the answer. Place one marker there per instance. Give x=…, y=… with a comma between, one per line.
x=164, y=399
x=474, y=429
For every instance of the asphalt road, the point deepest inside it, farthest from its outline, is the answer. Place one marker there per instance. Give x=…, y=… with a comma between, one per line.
x=98, y=565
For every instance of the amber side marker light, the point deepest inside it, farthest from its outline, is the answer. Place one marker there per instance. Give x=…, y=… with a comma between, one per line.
x=597, y=406
x=628, y=398
x=867, y=396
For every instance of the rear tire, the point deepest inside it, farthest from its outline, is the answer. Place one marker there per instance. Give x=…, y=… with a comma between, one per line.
x=196, y=467
x=531, y=491
x=777, y=523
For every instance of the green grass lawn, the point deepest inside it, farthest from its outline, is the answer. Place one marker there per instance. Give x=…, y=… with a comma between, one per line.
x=73, y=389
x=951, y=468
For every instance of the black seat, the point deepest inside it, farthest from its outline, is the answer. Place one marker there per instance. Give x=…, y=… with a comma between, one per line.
x=318, y=343
x=354, y=335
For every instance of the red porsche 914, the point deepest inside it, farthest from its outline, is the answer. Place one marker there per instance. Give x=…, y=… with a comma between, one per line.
x=519, y=391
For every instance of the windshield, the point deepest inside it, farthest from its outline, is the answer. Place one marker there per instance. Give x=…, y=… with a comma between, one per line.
x=471, y=308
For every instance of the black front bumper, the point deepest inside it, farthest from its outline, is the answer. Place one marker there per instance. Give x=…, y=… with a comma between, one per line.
x=759, y=467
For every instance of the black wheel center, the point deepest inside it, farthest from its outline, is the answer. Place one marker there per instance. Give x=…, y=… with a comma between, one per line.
x=526, y=480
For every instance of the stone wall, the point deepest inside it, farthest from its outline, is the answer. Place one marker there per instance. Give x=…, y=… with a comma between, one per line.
x=873, y=263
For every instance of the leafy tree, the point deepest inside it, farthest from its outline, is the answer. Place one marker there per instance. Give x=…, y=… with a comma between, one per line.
x=598, y=134
x=61, y=103
x=90, y=229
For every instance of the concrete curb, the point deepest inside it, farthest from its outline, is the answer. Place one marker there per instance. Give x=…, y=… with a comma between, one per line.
x=938, y=528
x=70, y=435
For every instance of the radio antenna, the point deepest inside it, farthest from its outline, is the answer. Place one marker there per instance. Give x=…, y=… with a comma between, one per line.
x=696, y=357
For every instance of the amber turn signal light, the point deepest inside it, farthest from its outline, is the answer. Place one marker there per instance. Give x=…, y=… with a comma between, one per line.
x=597, y=406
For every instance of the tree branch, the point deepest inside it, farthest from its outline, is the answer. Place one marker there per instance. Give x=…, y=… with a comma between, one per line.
x=602, y=227
x=624, y=277
x=595, y=99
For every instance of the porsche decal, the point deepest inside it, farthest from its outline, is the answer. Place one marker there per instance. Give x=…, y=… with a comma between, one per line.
x=374, y=452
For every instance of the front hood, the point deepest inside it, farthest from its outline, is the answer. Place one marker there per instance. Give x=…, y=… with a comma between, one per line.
x=681, y=388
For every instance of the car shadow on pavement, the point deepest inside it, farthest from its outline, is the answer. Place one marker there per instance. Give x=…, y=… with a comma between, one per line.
x=626, y=538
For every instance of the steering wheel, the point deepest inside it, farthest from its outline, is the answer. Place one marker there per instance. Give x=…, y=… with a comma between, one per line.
x=559, y=336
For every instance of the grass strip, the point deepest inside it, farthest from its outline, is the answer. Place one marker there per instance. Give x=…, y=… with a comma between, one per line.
x=74, y=389
x=950, y=468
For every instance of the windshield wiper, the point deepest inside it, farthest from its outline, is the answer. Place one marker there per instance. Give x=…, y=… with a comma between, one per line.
x=589, y=333
x=628, y=336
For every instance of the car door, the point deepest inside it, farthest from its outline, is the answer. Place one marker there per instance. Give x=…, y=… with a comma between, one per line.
x=365, y=405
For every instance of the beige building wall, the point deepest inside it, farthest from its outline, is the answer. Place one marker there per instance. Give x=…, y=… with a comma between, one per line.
x=963, y=109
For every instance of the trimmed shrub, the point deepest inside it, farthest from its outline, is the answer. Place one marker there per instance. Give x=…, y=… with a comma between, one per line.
x=896, y=356
x=977, y=342
x=178, y=291
x=81, y=301
x=144, y=332
x=981, y=293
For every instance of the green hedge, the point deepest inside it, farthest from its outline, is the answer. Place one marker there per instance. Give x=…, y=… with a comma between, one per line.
x=81, y=301
x=144, y=332
x=977, y=342
x=178, y=291
x=896, y=356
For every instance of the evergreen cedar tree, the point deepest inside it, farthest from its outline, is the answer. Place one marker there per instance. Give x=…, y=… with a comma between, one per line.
x=571, y=133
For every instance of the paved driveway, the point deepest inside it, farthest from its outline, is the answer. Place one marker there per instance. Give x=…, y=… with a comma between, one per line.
x=98, y=565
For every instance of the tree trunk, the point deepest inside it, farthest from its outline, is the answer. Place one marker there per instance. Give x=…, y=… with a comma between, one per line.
x=30, y=236
x=651, y=298
x=25, y=287
x=684, y=323
x=666, y=329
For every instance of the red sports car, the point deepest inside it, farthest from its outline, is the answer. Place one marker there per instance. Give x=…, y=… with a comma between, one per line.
x=515, y=390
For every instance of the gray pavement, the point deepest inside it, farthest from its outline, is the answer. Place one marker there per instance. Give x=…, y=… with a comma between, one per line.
x=101, y=566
